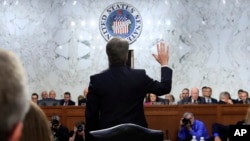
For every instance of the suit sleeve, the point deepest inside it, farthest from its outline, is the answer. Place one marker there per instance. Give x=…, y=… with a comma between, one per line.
x=92, y=110
x=163, y=87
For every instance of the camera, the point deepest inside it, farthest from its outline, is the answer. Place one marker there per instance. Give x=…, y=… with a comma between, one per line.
x=79, y=128
x=185, y=122
x=54, y=123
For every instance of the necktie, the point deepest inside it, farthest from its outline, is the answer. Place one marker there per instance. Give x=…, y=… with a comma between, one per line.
x=208, y=101
x=195, y=101
x=65, y=103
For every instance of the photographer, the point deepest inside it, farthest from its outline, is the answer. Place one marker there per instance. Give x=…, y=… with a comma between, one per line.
x=59, y=132
x=189, y=127
x=78, y=133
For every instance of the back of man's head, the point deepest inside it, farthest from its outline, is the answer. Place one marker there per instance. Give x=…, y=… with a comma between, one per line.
x=117, y=50
x=13, y=95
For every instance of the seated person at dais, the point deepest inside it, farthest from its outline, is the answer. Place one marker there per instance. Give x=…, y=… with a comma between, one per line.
x=83, y=99
x=194, y=98
x=189, y=127
x=238, y=99
x=34, y=98
x=170, y=98
x=207, y=94
x=67, y=100
x=244, y=98
x=153, y=99
x=44, y=95
x=225, y=98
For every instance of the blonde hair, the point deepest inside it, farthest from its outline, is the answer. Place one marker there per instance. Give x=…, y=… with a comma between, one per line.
x=36, y=125
x=247, y=118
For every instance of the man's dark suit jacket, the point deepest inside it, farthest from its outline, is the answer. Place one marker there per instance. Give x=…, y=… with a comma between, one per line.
x=237, y=101
x=188, y=100
x=48, y=102
x=116, y=96
x=213, y=101
x=69, y=103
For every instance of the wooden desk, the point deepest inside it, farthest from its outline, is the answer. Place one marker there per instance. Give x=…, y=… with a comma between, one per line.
x=163, y=117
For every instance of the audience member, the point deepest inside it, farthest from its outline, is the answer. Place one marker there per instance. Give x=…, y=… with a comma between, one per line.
x=207, y=93
x=13, y=96
x=67, y=101
x=59, y=132
x=81, y=100
x=225, y=98
x=34, y=98
x=77, y=134
x=116, y=95
x=44, y=95
x=185, y=92
x=180, y=98
x=238, y=99
x=194, y=98
x=153, y=99
x=170, y=98
x=244, y=98
x=189, y=126
x=51, y=101
x=52, y=94
x=35, y=125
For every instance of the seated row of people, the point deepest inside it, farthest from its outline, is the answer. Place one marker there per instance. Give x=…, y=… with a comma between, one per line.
x=195, y=98
x=152, y=99
x=206, y=98
x=50, y=99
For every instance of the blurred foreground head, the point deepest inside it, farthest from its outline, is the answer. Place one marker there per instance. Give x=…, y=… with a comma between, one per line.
x=13, y=96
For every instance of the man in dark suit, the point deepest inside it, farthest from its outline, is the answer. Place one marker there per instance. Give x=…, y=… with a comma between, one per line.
x=238, y=100
x=67, y=101
x=244, y=98
x=116, y=95
x=194, y=98
x=207, y=94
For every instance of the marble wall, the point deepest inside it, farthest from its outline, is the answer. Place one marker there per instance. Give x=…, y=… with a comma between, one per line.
x=60, y=43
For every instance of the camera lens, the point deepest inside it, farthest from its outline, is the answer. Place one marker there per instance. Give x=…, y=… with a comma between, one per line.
x=79, y=128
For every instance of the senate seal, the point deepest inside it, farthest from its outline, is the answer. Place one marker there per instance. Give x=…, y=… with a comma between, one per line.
x=122, y=20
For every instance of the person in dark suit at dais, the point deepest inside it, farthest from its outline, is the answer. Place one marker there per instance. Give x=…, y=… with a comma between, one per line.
x=194, y=98
x=116, y=95
x=67, y=101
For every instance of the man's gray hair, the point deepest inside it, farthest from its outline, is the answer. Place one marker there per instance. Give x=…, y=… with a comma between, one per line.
x=13, y=93
x=186, y=114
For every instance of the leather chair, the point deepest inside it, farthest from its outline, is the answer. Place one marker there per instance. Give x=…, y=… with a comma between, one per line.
x=127, y=132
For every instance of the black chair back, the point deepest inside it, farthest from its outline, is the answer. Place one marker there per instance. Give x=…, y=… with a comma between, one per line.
x=127, y=132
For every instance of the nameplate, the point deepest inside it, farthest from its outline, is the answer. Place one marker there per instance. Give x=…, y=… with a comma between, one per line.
x=239, y=132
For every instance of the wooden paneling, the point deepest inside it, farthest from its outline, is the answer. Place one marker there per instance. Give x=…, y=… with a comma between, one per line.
x=161, y=117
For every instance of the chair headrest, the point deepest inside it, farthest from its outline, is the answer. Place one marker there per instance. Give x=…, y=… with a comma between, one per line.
x=127, y=131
